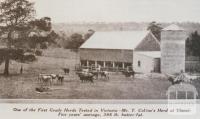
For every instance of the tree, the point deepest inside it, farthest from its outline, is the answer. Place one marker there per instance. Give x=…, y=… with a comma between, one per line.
x=193, y=44
x=155, y=28
x=21, y=32
x=74, y=41
x=14, y=16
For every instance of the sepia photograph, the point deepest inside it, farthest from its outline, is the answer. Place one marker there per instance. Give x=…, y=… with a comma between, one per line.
x=100, y=49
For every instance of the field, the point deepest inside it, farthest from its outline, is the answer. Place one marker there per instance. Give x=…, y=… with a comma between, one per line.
x=22, y=86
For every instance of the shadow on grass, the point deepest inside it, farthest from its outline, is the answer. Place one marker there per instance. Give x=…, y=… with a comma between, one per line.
x=10, y=75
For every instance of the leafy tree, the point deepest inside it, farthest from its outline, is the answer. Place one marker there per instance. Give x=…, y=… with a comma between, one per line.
x=155, y=28
x=14, y=16
x=41, y=33
x=76, y=39
x=20, y=32
x=74, y=42
x=193, y=44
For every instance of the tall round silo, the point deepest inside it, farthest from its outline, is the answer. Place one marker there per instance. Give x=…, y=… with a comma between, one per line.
x=173, y=49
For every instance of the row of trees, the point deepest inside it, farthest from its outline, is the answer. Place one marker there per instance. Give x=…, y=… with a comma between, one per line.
x=193, y=44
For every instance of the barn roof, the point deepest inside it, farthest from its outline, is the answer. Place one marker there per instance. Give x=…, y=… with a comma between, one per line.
x=173, y=27
x=153, y=54
x=115, y=40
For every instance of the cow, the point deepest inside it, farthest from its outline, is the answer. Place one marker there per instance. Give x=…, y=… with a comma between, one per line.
x=66, y=70
x=128, y=73
x=53, y=78
x=104, y=74
x=60, y=78
x=95, y=73
x=45, y=78
x=86, y=76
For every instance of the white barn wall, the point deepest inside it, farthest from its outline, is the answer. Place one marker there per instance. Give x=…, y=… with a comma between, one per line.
x=147, y=63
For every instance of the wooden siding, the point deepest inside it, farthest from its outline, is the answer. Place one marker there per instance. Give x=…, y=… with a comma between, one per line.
x=114, y=55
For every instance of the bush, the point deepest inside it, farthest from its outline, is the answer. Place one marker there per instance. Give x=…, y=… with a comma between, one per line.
x=38, y=52
x=44, y=45
x=30, y=58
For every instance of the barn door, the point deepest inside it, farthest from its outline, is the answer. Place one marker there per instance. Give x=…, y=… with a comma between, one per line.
x=157, y=65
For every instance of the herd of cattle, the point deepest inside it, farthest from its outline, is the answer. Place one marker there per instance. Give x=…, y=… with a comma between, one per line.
x=88, y=76
x=85, y=75
x=50, y=78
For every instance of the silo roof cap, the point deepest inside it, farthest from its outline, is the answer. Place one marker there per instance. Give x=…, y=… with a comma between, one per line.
x=173, y=27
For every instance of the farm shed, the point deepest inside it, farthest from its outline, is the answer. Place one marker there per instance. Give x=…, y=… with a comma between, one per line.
x=115, y=49
x=147, y=61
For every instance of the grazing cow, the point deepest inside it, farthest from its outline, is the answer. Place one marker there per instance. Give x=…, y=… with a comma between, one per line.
x=95, y=73
x=53, y=77
x=66, y=70
x=104, y=74
x=129, y=73
x=45, y=78
x=40, y=76
x=86, y=76
x=60, y=78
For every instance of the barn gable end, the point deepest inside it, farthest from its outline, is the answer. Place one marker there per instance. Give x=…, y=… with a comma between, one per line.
x=149, y=43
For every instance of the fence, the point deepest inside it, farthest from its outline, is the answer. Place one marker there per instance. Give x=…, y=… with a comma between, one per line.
x=111, y=69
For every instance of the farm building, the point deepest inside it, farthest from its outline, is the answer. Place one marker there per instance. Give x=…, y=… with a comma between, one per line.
x=115, y=50
x=173, y=57
x=140, y=50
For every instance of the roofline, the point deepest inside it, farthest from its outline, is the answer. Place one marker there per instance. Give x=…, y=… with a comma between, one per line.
x=181, y=28
x=148, y=55
x=105, y=49
x=117, y=31
x=155, y=38
x=149, y=32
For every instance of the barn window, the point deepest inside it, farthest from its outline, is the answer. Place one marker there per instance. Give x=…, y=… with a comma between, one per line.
x=139, y=63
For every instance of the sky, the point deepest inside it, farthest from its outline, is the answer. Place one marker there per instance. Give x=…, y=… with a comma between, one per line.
x=119, y=10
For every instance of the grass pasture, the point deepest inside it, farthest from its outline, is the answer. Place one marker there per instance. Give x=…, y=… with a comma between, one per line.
x=117, y=87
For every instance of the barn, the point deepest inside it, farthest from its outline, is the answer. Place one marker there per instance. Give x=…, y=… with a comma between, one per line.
x=115, y=50
x=141, y=50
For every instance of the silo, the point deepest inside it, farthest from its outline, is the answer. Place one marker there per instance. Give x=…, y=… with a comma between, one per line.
x=173, y=49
